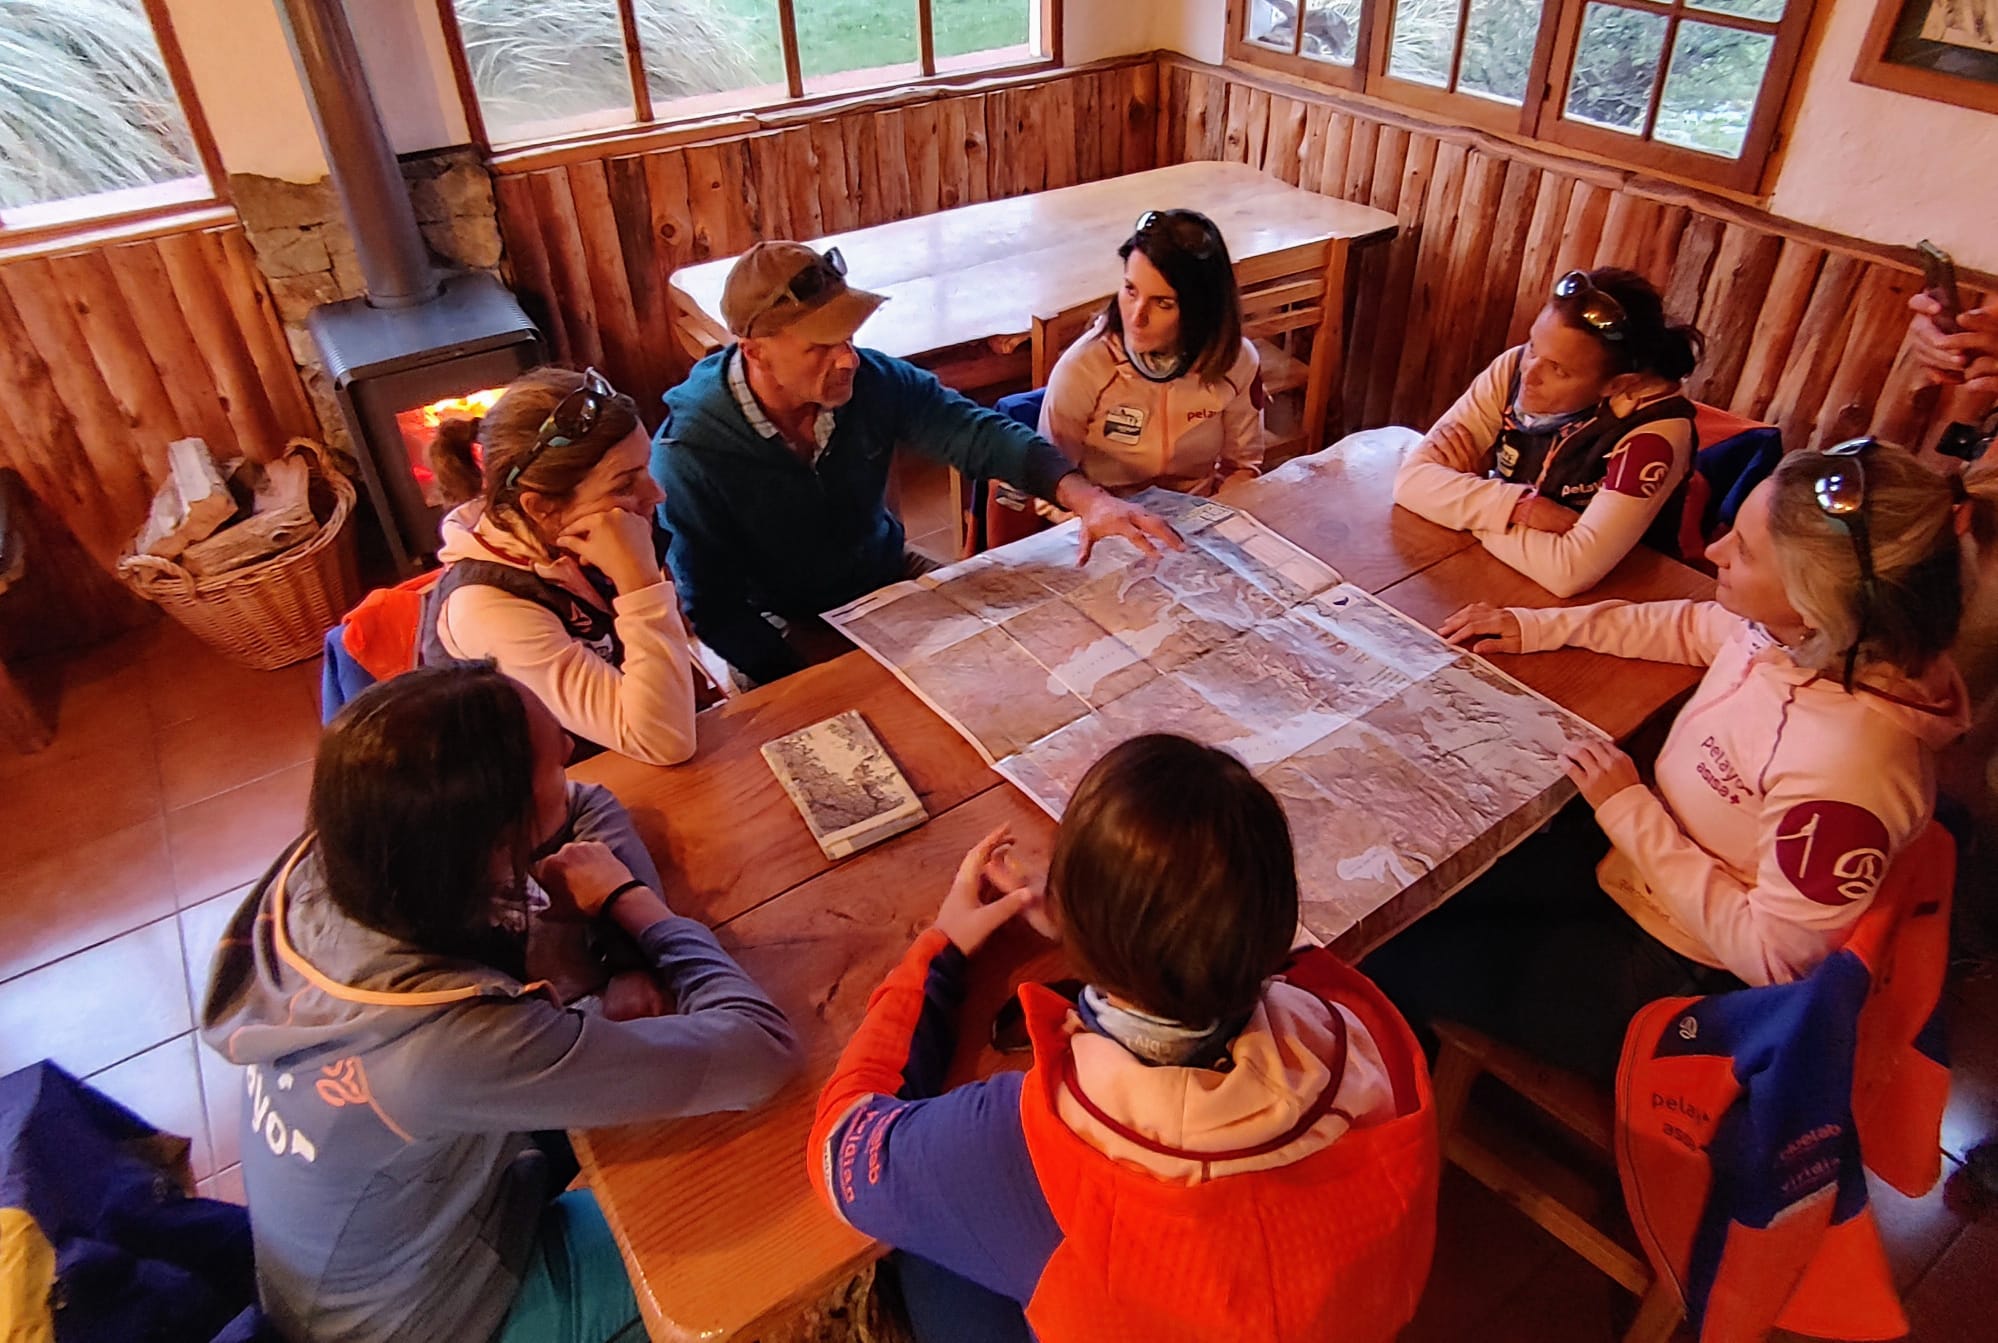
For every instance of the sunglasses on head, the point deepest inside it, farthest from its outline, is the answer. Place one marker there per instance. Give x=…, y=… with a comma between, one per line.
x=808, y=284
x=1840, y=491
x=1601, y=311
x=573, y=418
x=1186, y=233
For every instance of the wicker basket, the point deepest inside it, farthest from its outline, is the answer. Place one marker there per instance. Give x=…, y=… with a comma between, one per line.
x=276, y=612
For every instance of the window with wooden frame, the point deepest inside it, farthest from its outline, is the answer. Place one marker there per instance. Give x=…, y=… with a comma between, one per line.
x=98, y=120
x=536, y=71
x=1692, y=88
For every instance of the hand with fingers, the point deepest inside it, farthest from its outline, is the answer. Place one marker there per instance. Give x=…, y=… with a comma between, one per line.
x=1541, y=514
x=617, y=543
x=1966, y=357
x=988, y=891
x=1103, y=514
x=1458, y=447
x=1601, y=770
x=1482, y=628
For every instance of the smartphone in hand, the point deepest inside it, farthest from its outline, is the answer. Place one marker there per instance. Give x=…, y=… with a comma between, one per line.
x=1939, y=282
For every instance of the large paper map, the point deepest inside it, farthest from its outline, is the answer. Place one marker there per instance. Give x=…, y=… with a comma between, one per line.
x=1405, y=766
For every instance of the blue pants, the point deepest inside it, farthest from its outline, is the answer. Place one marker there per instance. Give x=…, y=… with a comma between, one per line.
x=944, y=1308
x=575, y=1289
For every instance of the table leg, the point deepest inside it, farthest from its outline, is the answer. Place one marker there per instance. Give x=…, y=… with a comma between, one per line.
x=1327, y=352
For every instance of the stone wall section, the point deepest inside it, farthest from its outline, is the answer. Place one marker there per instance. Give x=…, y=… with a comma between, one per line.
x=306, y=251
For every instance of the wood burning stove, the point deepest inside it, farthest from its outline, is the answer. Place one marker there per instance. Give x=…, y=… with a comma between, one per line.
x=416, y=339
x=396, y=371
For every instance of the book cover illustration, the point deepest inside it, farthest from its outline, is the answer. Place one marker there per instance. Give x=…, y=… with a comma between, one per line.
x=844, y=785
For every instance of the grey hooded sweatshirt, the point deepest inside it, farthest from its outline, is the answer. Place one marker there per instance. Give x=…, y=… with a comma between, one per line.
x=393, y=1185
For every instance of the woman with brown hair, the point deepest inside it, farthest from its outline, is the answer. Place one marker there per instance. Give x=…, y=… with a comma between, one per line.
x=551, y=569
x=1162, y=389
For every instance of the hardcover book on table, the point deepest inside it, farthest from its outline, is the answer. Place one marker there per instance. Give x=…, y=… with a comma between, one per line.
x=844, y=785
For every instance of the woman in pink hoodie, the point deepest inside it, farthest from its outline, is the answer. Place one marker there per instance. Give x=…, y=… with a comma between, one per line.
x=551, y=568
x=1803, y=764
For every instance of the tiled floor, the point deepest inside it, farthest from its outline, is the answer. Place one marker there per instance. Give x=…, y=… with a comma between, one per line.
x=176, y=777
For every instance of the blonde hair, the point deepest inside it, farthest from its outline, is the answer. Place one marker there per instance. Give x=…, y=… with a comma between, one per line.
x=1923, y=569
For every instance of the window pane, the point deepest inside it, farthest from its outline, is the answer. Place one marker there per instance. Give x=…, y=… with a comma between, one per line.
x=702, y=48
x=1710, y=87
x=1616, y=63
x=839, y=36
x=1425, y=41
x=1498, y=48
x=1272, y=23
x=1332, y=30
x=543, y=69
x=961, y=27
x=1771, y=10
x=86, y=105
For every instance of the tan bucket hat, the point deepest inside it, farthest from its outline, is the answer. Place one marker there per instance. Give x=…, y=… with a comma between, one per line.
x=786, y=286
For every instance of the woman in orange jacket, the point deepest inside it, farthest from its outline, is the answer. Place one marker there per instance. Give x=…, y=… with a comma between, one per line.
x=1217, y=1139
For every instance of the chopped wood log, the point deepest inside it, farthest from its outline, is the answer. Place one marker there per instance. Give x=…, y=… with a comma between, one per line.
x=280, y=518
x=191, y=503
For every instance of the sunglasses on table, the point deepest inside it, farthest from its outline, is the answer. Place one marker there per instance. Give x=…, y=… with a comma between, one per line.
x=573, y=418
x=1840, y=491
x=1189, y=235
x=1601, y=311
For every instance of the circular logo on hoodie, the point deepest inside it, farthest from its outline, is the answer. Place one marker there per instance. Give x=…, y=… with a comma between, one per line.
x=1833, y=852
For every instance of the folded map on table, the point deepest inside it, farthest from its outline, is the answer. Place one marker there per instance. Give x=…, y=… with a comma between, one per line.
x=844, y=785
x=1405, y=765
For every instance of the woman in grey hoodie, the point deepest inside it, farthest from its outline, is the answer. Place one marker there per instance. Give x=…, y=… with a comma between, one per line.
x=401, y=1075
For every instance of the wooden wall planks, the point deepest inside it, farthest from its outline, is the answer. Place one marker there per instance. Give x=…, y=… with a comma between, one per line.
x=109, y=352
x=1802, y=327
x=593, y=243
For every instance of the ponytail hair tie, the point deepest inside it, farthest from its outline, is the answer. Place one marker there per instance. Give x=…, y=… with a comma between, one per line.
x=1958, y=492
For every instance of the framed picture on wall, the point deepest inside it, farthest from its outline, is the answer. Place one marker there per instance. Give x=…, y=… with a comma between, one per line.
x=1941, y=49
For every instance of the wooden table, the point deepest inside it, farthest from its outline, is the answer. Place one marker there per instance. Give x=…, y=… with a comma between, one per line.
x=975, y=277
x=719, y=1225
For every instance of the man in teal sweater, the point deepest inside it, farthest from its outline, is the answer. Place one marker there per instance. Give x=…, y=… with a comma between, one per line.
x=775, y=456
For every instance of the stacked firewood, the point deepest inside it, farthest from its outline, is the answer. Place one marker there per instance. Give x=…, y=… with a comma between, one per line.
x=210, y=519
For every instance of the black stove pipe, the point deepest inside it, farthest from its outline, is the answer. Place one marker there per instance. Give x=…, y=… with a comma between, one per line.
x=373, y=196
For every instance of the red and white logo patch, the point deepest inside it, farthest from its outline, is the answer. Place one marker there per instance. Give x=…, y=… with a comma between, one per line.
x=1639, y=465
x=1833, y=852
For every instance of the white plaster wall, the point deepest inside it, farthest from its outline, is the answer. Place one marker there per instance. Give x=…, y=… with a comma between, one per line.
x=1196, y=28
x=1094, y=29
x=242, y=71
x=1886, y=166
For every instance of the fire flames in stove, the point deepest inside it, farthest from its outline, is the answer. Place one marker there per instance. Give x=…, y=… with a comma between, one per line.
x=419, y=425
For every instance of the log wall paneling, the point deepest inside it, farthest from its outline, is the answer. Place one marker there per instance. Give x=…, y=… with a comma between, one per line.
x=1802, y=326
x=110, y=351
x=592, y=244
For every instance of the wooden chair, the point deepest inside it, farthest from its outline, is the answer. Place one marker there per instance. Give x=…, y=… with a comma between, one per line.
x=1052, y=335
x=1273, y=311
x=1578, y=1106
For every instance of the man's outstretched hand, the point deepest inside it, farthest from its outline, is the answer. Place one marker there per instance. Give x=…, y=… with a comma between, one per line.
x=1100, y=514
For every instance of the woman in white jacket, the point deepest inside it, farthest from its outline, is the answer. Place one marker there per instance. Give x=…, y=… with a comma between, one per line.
x=1801, y=767
x=551, y=569
x=1162, y=390
x=1570, y=449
